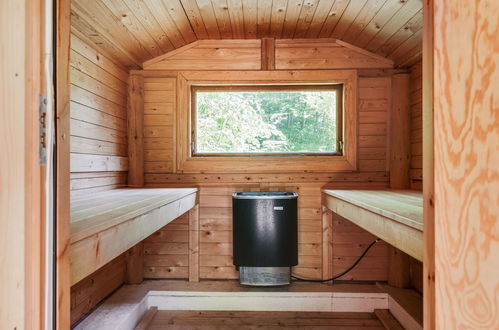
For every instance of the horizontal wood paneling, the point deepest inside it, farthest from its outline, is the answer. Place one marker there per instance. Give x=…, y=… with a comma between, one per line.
x=211, y=55
x=216, y=189
x=416, y=165
x=167, y=249
x=98, y=121
x=166, y=252
x=349, y=242
x=301, y=54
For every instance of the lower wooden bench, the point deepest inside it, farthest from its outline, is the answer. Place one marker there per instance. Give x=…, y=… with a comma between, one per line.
x=106, y=224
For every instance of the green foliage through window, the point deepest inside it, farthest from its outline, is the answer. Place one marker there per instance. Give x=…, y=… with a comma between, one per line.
x=267, y=120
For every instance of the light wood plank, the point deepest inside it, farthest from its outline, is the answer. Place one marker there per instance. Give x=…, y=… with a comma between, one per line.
x=394, y=216
x=134, y=264
x=387, y=319
x=460, y=151
x=176, y=10
x=135, y=111
x=147, y=319
x=108, y=232
x=194, y=244
x=399, y=126
x=89, y=52
x=151, y=25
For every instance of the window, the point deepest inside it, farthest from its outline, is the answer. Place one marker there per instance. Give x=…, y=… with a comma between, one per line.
x=192, y=155
x=263, y=120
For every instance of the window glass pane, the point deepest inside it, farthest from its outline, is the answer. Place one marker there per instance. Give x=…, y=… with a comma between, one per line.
x=266, y=121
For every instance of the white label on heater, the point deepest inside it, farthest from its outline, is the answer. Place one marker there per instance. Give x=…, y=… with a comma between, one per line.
x=278, y=208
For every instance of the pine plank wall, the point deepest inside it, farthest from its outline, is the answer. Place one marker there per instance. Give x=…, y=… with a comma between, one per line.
x=98, y=152
x=98, y=121
x=99, y=160
x=166, y=251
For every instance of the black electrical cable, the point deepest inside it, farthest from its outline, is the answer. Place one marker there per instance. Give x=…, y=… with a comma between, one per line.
x=342, y=273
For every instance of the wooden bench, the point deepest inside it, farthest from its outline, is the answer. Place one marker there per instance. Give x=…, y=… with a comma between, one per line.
x=395, y=216
x=106, y=224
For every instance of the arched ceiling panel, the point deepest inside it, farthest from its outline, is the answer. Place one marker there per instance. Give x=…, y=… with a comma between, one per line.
x=134, y=31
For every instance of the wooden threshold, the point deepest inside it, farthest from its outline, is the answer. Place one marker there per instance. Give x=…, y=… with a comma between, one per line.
x=263, y=320
x=387, y=319
x=148, y=318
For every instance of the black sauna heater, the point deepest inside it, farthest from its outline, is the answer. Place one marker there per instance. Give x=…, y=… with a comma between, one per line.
x=265, y=236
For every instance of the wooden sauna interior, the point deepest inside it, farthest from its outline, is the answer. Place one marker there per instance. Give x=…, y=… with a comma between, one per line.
x=144, y=236
x=131, y=67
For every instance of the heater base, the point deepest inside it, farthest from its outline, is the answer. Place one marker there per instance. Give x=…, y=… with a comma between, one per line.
x=265, y=276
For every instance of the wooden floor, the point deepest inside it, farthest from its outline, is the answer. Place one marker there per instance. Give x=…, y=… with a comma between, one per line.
x=207, y=320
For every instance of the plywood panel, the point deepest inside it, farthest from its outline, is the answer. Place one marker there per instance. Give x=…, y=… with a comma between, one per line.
x=466, y=177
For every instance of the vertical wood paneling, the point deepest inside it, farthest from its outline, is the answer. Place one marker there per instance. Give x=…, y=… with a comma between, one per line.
x=429, y=259
x=399, y=128
x=466, y=158
x=416, y=166
x=135, y=119
x=16, y=167
x=159, y=109
x=98, y=120
x=62, y=294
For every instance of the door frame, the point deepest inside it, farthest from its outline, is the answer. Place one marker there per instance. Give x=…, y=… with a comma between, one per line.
x=428, y=170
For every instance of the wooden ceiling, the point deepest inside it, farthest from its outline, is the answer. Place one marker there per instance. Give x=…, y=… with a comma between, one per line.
x=133, y=31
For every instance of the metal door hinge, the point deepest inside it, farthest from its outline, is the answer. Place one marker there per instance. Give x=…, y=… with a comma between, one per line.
x=340, y=145
x=42, y=129
x=193, y=147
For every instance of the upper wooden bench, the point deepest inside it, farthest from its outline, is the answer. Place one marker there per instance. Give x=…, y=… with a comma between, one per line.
x=106, y=224
x=395, y=216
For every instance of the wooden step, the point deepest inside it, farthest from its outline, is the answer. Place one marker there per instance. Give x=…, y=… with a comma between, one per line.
x=262, y=320
x=147, y=319
x=387, y=319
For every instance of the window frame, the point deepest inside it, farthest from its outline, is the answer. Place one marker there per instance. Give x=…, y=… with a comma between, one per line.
x=337, y=87
x=186, y=163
